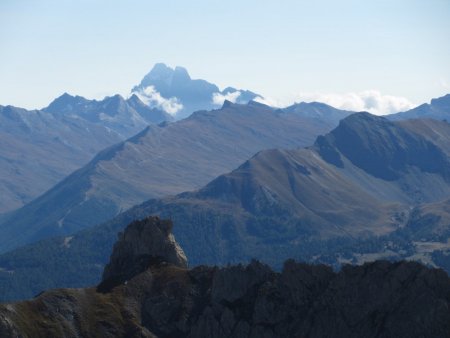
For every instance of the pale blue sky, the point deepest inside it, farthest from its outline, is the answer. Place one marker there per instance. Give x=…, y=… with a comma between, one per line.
x=277, y=48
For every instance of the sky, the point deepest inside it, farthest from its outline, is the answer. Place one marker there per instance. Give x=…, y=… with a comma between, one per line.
x=394, y=54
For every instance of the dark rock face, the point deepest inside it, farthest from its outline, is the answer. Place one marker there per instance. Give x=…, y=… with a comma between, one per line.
x=375, y=300
x=154, y=295
x=143, y=243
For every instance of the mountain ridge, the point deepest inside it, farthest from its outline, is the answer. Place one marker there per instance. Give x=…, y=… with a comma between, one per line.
x=147, y=291
x=152, y=165
x=41, y=147
x=438, y=108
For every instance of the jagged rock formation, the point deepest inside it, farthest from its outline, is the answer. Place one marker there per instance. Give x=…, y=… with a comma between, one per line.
x=144, y=243
x=380, y=299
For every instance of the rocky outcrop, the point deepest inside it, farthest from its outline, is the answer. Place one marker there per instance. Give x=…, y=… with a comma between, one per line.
x=155, y=295
x=145, y=242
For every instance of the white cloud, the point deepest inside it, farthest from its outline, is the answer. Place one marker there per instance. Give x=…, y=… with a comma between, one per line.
x=218, y=98
x=268, y=101
x=153, y=98
x=370, y=100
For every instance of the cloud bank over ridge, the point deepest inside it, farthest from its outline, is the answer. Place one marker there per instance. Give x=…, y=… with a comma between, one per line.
x=372, y=101
x=219, y=98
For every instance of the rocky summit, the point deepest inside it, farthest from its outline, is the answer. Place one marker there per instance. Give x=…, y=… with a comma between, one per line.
x=148, y=291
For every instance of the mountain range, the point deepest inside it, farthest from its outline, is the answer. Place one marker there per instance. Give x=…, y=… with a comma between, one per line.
x=366, y=190
x=161, y=160
x=242, y=182
x=387, y=179
x=38, y=148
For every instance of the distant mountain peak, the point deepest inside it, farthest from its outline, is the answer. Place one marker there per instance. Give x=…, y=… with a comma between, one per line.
x=174, y=91
x=313, y=104
x=438, y=108
x=160, y=70
x=160, y=66
x=227, y=104
x=62, y=102
x=363, y=117
x=442, y=102
x=162, y=75
x=65, y=95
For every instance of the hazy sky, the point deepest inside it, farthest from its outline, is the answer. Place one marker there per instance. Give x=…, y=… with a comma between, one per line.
x=285, y=50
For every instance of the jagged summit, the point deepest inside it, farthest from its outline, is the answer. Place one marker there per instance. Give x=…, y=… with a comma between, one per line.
x=227, y=104
x=65, y=102
x=124, y=116
x=178, y=90
x=167, y=80
x=161, y=75
x=160, y=70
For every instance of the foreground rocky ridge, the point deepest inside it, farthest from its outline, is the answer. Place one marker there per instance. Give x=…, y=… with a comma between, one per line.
x=162, y=298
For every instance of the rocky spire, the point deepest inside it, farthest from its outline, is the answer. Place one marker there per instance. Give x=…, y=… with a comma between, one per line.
x=143, y=244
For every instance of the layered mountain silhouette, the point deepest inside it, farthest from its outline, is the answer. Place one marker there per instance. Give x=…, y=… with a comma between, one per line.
x=328, y=203
x=359, y=181
x=40, y=147
x=161, y=160
x=174, y=89
x=148, y=291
